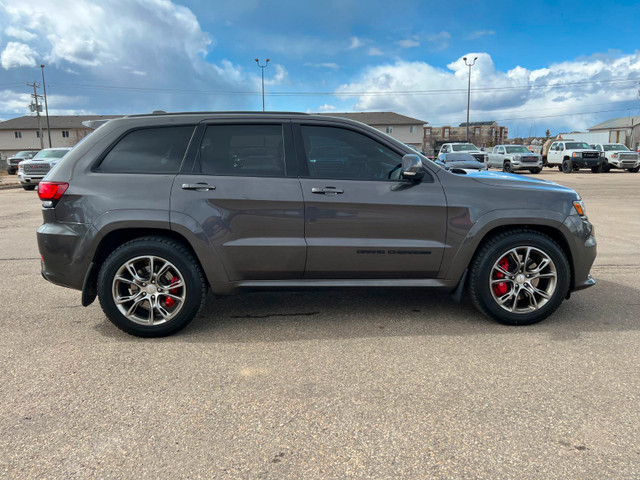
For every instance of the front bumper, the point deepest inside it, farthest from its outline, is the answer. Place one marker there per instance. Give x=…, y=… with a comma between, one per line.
x=518, y=165
x=579, y=162
x=583, y=250
x=26, y=179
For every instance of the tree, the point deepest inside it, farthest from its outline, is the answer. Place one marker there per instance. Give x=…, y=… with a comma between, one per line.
x=547, y=133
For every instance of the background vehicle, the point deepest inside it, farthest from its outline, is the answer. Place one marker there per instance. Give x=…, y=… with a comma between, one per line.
x=513, y=158
x=619, y=156
x=30, y=172
x=569, y=156
x=152, y=210
x=461, y=160
x=463, y=147
x=13, y=161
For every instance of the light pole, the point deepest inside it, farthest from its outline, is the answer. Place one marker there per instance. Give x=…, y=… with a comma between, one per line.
x=469, y=91
x=262, y=67
x=46, y=105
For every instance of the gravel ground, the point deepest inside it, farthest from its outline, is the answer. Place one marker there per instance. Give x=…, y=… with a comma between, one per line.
x=340, y=384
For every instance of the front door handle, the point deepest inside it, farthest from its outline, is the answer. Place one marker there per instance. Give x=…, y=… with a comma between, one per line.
x=199, y=187
x=326, y=190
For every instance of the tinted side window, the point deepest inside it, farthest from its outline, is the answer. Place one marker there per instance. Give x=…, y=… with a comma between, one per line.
x=249, y=150
x=148, y=150
x=344, y=154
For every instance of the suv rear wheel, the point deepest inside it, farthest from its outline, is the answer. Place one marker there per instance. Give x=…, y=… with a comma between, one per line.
x=519, y=277
x=151, y=287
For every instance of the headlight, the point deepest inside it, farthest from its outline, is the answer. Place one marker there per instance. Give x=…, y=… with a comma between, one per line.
x=578, y=205
x=576, y=154
x=614, y=155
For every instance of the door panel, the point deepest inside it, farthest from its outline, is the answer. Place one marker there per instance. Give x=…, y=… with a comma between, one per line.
x=255, y=225
x=374, y=229
x=361, y=220
x=239, y=195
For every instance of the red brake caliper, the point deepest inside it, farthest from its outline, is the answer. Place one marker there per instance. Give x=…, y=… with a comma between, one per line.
x=169, y=302
x=501, y=288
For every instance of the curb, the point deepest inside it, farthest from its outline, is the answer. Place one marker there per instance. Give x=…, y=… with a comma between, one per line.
x=8, y=186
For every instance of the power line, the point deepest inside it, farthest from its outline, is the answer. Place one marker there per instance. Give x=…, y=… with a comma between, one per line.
x=345, y=94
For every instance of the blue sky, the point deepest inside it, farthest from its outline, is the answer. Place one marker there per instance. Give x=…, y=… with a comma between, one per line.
x=540, y=64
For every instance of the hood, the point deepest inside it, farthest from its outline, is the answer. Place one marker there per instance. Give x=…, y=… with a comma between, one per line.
x=511, y=180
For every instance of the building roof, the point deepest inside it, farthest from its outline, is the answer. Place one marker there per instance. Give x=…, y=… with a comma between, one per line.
x=378, y=118
x=29, y=122
x=478, y=124
x=621, y=122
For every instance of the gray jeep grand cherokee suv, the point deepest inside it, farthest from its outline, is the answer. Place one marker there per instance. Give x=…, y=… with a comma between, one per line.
x=152, y=210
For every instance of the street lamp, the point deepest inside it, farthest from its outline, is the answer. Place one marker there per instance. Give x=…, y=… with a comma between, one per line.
x=469, y=90
x=262, y=67
x=46, y=105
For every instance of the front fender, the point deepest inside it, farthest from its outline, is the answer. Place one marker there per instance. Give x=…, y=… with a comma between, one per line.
x=458, y=259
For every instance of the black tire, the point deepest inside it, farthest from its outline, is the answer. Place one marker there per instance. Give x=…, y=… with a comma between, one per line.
x=634, y=169
x=195, y=288
x=567, y=166
x=29, y=187
x=506, y=167
x=11, y=171
x=496, y=247
x=560, y=167
x=597, y=169
x=535, y=170
x=606, y=168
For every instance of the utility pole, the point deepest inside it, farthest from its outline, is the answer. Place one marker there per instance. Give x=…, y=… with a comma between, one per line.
x=469, y=91
x=37, y=107
x=262, y=67
x=46, y=106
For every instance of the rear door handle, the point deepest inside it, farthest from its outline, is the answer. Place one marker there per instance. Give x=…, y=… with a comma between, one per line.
x=326, y=190
x=200, y=187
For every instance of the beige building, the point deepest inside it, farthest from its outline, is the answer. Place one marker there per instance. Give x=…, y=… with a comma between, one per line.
x=620, y=130
x=22, y=133
x=481, y=134
x=405, y=129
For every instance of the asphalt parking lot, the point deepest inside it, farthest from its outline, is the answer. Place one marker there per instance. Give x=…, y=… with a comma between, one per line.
x=340, y=384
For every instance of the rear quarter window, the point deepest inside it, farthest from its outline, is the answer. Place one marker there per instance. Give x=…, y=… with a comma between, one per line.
x=148, y=150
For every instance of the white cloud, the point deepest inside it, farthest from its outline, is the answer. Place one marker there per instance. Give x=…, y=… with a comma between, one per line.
x=355, y=42
x=373, y=51
x=440, y=40
x=121, y=41
x=279, y=76
x=480, y=33
x=518, y=96
x=408, y=43
x=331, y=65
x=326, y=108
x=17, y=54
x=19, y=33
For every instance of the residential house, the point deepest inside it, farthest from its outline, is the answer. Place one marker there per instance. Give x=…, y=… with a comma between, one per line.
x=22, y=133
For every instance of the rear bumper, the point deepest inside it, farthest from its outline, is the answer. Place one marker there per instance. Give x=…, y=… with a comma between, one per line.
x=63, y=252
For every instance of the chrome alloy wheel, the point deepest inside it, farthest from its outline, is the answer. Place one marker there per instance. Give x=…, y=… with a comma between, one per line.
x=149, y=290
x=523, y=279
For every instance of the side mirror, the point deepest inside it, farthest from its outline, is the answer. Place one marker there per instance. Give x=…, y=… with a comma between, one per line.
x=412, y=167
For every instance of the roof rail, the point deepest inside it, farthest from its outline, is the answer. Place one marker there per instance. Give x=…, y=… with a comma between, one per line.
x=157, y=113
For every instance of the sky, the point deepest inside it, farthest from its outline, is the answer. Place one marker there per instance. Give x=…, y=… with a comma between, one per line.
x=561, y=66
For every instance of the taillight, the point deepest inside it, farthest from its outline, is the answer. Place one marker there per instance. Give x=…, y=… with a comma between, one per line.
x=52, y=190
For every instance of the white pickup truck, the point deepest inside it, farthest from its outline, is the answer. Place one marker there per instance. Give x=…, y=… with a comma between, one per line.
x=470, y=148
x=511, y=158
x=569, y=156
x=619, y=156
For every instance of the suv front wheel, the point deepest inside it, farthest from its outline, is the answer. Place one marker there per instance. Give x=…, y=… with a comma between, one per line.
x=151, y=287
x=519, y=277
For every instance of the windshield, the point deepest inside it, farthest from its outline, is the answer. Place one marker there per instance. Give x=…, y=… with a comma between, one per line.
x=465, y=147
x=517, y=149
x=51, y=154
x=25, y=154
x=575, y=145
x=614, y=146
